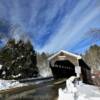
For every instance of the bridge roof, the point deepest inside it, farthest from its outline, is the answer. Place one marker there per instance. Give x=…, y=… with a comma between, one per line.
x=65, y=52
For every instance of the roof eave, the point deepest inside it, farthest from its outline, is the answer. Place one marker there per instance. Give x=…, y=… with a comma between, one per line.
x=66, y=52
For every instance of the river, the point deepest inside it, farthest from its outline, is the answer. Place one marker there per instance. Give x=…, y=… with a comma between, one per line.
x=42, y=91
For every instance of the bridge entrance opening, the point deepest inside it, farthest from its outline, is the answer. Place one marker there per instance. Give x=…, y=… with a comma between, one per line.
x=63, y=69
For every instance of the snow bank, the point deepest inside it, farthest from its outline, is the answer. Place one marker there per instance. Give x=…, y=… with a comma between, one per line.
x=82, y=91
x=7, y=84
x=65, y=95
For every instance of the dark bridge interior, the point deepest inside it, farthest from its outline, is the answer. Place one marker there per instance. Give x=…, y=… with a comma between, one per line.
x=63, y=68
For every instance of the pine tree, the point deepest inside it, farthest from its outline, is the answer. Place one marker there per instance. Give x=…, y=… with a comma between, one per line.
x=18, y=59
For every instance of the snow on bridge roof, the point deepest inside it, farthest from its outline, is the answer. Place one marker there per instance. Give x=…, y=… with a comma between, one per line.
x=65, y=52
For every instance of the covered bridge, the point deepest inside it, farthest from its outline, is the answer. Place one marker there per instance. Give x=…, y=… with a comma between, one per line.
x=65, y=64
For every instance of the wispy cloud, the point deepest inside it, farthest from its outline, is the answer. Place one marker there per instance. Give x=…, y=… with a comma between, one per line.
x=72, y=31
x=51, y=25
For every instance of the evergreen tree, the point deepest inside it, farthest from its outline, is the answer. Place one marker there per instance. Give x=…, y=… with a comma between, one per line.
x=18, y=59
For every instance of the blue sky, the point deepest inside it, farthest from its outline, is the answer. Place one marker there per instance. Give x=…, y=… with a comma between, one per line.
x=52, y=25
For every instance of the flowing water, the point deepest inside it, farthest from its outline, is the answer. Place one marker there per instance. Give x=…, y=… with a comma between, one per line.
x=43, y=91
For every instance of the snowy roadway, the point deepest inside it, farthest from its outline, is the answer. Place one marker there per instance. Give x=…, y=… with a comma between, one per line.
x=79, y=92
x=88, y=92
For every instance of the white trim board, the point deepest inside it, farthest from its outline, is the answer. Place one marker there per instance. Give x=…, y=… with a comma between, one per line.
x=66, y=52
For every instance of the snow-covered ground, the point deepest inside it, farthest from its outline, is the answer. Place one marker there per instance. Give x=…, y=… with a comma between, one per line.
x=7, y=84
x=80, y=92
